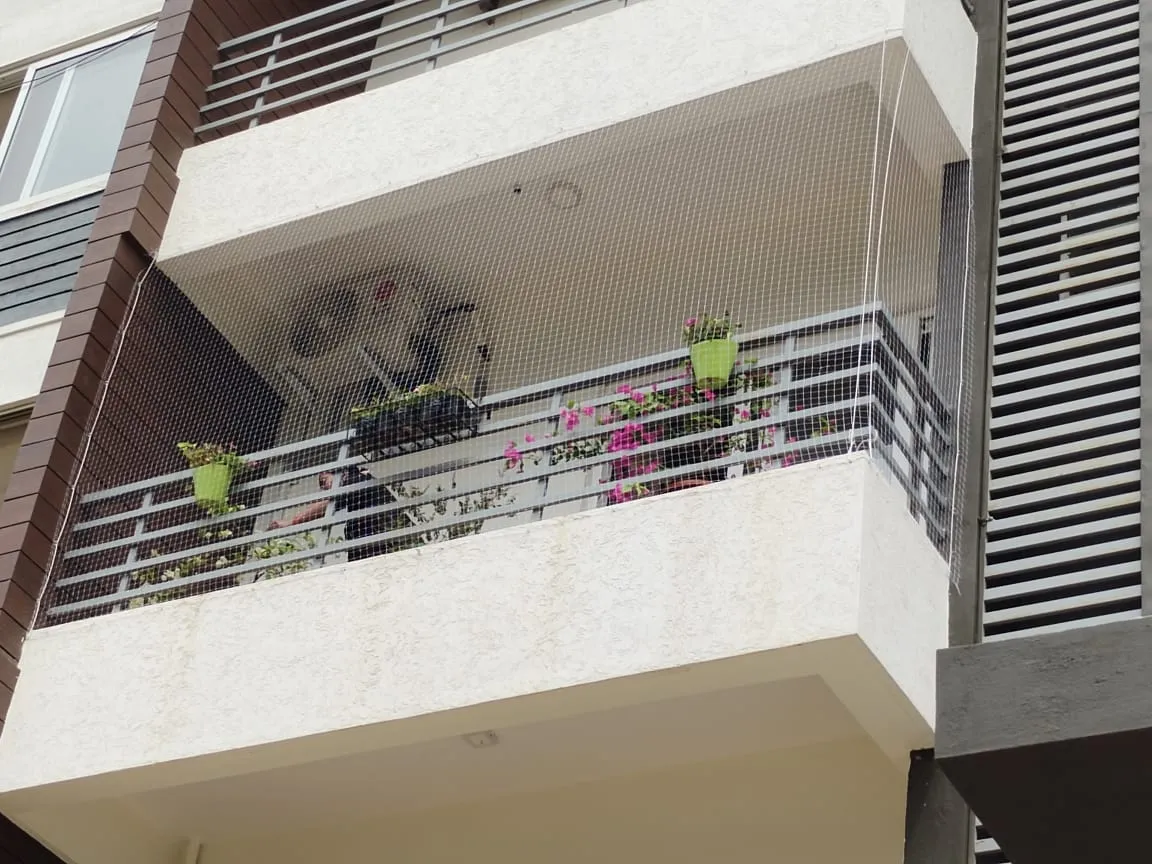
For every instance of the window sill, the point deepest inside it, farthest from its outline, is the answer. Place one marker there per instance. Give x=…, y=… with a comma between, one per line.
x=56, y=196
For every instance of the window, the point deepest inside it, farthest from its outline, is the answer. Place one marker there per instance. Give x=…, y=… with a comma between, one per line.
x=68, y=117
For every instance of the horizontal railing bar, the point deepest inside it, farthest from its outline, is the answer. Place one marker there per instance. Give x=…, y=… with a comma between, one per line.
x=274, y=480
x=273, y=29
x=380, y=50
x=908, y=361
x=918, y=473
x=754, y=340
x=346, y=82
x=862, y=434
x=372, y=35
x=331, y=439
x=544, y=389
x=418, y=501
x=914, y=426
x=729, y=400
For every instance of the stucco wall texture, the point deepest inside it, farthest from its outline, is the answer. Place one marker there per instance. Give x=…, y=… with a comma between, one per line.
x=824, y=553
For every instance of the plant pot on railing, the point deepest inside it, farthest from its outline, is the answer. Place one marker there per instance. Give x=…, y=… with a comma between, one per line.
x=713, y=349
x=713, y=362
x=213, y=467
x=211, y=484
x=429, y=415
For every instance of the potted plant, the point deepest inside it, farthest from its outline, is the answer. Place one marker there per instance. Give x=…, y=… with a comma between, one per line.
x=213, y=467
x=713, y=348
x=426, y=414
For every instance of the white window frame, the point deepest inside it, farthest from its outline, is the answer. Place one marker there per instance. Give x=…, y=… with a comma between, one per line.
x=54, y=114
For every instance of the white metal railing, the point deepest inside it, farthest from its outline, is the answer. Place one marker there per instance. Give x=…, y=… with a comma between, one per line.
x=348, y=46
x=835, y=383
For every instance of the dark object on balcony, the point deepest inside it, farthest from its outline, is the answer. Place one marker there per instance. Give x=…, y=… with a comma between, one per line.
x=427, y=422
x=487, y=5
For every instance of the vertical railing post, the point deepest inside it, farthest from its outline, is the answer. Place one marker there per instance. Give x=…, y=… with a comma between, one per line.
x=324, y=538
x=780, y=430
x=138, y=530
x=542, y=485
x=434, y=43
x=266, y=81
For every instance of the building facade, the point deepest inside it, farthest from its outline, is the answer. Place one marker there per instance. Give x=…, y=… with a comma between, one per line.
x=517, y=428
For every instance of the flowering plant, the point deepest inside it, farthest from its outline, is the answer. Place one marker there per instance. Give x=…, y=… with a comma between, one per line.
x=199, y=455
x=641, y=417
x=706, y=328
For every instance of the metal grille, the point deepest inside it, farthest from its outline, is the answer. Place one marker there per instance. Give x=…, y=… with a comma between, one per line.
x=1063, y=544
x=833, y=388
x=350, y=46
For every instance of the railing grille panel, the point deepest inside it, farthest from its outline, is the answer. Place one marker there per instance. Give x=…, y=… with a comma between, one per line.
x=1063, y=538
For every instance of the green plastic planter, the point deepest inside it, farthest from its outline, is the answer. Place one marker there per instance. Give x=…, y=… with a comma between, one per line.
x=210, y=484
x=712, y=362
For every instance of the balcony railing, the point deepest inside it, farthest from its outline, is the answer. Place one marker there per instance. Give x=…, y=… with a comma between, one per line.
x=808, y=390
x=353, y=45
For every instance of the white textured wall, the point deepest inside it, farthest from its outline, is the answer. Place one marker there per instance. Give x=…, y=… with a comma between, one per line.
x=30, y=29
x=630, y=62
x=740, y=568
x=25, y=348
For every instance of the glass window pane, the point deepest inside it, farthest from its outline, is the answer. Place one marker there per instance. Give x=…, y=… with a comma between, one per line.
x=29, y=129
x=84, y=141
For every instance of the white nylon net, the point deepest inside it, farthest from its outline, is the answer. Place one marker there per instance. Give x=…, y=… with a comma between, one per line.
x=506, y=344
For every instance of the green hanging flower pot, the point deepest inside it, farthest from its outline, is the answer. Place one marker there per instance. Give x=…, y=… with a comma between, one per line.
x=713, y=362
x=210, y=485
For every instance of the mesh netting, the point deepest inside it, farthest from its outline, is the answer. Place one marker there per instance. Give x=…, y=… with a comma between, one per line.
x=765, y=277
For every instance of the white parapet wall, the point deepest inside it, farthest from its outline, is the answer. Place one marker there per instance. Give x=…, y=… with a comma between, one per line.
x=639, y=59
x=812, y=571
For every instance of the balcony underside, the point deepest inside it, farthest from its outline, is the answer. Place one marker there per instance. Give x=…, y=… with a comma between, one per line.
x=1049, y=740
x=592, y=655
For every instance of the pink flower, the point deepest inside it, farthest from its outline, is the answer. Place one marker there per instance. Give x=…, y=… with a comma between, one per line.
x=588, y=411
x=512, y=456
x=709, y=395
x=799, y=408
x=745, y=414
x=690, y=322
x=529, y=438
x=638, y=397
x=764, y=412
x=624, y=388
x=792, y=439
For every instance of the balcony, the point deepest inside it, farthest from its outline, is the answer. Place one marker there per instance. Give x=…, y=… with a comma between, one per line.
x=815, y=389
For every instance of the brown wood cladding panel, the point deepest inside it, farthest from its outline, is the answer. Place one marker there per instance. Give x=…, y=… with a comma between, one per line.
x=179, y=402
x=270, y=10
x=177, y=379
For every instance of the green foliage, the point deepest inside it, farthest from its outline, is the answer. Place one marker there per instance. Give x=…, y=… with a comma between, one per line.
x=429, y=514
x=196, y=565
x=199, y=455
x=396, y=401
x=706, y=328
